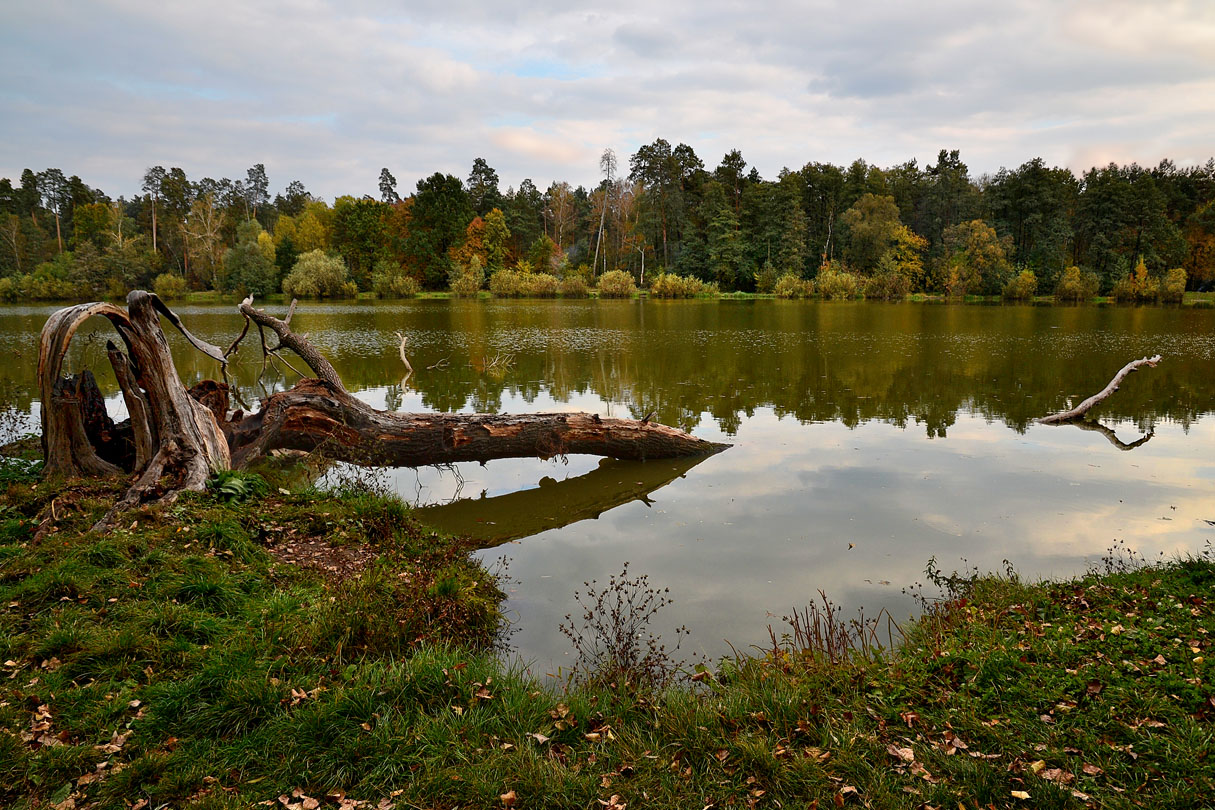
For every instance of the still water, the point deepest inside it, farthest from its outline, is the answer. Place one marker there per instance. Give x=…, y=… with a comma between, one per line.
x=866, y=438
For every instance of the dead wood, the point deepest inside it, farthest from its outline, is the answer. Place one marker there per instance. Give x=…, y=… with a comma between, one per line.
x=1084, y=407
x=177, y=437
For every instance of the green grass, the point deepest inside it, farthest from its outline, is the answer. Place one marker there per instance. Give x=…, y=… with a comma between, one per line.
x=177, y=661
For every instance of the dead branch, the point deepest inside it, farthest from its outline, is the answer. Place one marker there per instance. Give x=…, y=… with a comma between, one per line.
x=1084, y=407
x=177, y=437
x=404, y=359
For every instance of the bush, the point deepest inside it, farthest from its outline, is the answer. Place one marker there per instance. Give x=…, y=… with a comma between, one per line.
x=888, y=286
x=790, y=286
x=1021, y=287
x=837, y=284
x=1077, y=285
x=616, y=284
x=1136, y=287
x=1172, y=286
x=169, y=286
x=671, y=285
x=766, y=278
x=319, y=275
x=574, y=287
x=395, y=286
x=389, y=280
x=540, y=285
x=467, y=280
x=506, y=284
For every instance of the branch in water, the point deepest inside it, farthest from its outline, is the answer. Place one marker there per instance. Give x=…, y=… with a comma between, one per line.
x=1084, y=407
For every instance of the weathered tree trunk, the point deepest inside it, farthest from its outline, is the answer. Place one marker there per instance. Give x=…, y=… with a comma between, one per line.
x=179, y=436
x=314, y=415
x=1084, y=407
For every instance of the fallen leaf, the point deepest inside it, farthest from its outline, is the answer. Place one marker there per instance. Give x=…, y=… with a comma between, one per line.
x=904, y=754
x=1020, y=794
x=509, y=798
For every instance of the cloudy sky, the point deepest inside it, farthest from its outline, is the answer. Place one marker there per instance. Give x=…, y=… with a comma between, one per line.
x=330, y=91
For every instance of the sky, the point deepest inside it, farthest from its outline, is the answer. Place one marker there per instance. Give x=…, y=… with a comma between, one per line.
x=330, y=92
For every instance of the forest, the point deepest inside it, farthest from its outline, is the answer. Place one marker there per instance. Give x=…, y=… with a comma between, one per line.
x=666, y=222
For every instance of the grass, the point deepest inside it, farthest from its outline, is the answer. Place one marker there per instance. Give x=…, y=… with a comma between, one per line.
x=179, y=661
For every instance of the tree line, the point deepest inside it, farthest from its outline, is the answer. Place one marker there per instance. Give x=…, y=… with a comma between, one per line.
x=665, y=217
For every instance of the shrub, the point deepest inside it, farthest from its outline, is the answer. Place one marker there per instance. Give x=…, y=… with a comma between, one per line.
x=319, y=275
x=1077, y=285
x=616, y=284
x=389, y=280
x=506, y=284
x=1136, y=287
x=889, y=285
x=1172, y=286
x=671, y=285
x=766, y=278
x=574, y=287
x=169, y=286
x=790, y=286
x=401, y=286
x=837, y=284
x=467, y=280
x=540, y=285
x=1021, y=287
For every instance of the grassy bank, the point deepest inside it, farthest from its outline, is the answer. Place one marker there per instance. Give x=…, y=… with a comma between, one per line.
x=308, y=650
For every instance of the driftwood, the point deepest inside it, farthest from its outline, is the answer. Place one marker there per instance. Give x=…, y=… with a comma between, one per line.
x=1080, y=410
x=176, y=437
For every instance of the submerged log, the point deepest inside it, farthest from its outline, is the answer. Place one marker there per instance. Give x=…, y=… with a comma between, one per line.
x=1084, y=407
x=180, y=436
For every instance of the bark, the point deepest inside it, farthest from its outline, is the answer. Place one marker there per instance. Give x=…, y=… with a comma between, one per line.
x=177, y=437
x=316, y=416
x=1084, y=407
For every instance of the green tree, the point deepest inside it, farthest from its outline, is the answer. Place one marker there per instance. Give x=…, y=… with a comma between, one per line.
x=975, y=259
x=496, y=240
x=388, y=187
x=483, y=191
x=319, y=275
x=246, y=265
x=873, y=228
x=438, y=216
x=724, y=245
x=360, y=235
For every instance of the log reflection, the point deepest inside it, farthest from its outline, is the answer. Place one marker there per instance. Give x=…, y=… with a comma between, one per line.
x=1108, y=433
x=497, y=520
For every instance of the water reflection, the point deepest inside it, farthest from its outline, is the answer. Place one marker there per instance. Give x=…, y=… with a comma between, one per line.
x=867, y=439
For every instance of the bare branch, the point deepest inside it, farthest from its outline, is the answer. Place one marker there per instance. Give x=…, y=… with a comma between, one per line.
x=1104, y=393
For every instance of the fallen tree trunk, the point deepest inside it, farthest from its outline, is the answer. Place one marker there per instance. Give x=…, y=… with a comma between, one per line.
x=315, y=416
x=180, y=436
x=1084, y=407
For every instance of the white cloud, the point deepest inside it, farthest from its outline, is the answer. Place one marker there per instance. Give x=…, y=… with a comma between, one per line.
x=329, y=92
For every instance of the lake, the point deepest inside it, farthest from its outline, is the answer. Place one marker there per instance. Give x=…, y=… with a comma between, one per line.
x=866, y=439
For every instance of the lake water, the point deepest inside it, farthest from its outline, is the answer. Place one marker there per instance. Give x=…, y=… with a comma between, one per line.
x=866, y=439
